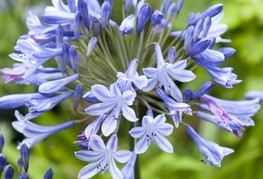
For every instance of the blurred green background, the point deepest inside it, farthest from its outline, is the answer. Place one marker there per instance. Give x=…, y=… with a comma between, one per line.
x=245, y=21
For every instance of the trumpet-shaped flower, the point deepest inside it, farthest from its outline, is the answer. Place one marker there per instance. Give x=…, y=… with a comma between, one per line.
x=152, y=129
x=102, y=157
x=212, y=152
x=35, y=133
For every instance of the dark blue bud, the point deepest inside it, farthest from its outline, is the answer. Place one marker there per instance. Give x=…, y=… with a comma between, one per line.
x=84, y=13
x=2, y=142
x=23, y=176
x=9, y=172
x=206, y=26
x=212, y=11
x=189, y=39
x=3, y=162
x=188, y=95
x=106, y=12
x=199, y=47
x=172, y=54
x=198, y=28
x=156, y=18
x=227, y=51
x=180, y=4
x=143, y=16
x=203, y=90
x=24, y=152
x=77, y=95
x=73, y=58
x=48, y=174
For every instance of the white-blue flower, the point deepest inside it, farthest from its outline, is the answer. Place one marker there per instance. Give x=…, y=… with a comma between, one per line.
x=131, y=77
x=152, y=129
x=166, y=73
x=102, y=157
x=113, y=102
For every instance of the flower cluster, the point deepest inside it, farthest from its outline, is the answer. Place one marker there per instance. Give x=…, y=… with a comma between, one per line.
x=127, y=71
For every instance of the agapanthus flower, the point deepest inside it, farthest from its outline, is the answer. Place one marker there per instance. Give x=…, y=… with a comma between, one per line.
x=212, y=152
x=114, y=70
x=165, y=73
x=35, y=133
x=152, y=129
x=102, y=157
x=113, y=102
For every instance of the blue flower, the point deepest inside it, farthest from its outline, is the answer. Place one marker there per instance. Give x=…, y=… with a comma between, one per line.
x=175, y=108
x=39, y=105
x=131, y=77
x=102, y=157
x=152, y=129
x=229, y=115
x=212, y=152
x=35, y=133
x=165, y=74
x=52, y=87
x=16, y=100
x=113, y=102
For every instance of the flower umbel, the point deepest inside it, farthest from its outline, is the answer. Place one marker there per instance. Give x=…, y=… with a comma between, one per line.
x=119, y=73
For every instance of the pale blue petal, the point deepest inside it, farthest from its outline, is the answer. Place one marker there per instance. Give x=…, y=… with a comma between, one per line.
x=140, y=82
x=101, y=93
x=147, y=120
x=108, y=126
x=165, y=129
x=159, y=120
x=151, y=84
x=150, y=72
x=88, y=171
x=142, y=145
x=100, y=108
x=122, y=156
x=89, y=156
x=159, y=55
x=163, y=143
x=129, y=113
x=112, y=143
x=96, y=143
x=137, y=132
x=114, y=171
x=128, y=97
